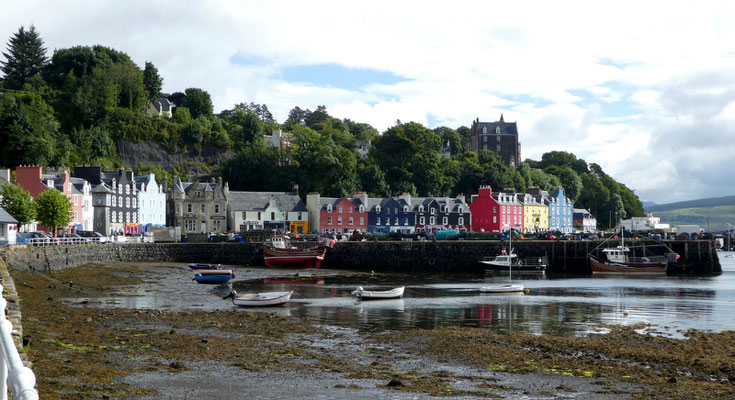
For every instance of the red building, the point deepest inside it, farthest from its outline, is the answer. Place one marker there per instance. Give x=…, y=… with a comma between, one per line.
x=495, y=212
x=35, y=182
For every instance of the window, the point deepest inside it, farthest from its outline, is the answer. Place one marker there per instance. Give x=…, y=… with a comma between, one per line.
x=484, y=147
x=203, y=209
x=396, y=221
x=422, y=220
x=76, y=200
x=350, y=209
x=421, y=209
x=300, y=216
x=127, y=202
x=258, y=215
x=340, y=209
x=244, y=216
x=484, y=138
x=484, y=129
x=188, y=207
x=329, y=220
x=135, y=202
x=119, y=201
x=387, y=220
x=445, y=221
x=178, y=208
x=329, y=208
x=405, y=209
x=76, y=215
x=119, y=216
x=113, y=217
x=460, y=210
x=119, y=189
x=498, y=137
x=495, y=209
x=396, y=210
x=273, y=216
x=460, y=221
x=433, y=210
x=362, y=208
x=497, y=129
x=339, y=220
x=135, y=217
x=377, y=208
x=127, y=189
x=362, y=220
x=432, y=221
x=114, y=201
x=216, y=208
x=352, y=221
x=378, y=221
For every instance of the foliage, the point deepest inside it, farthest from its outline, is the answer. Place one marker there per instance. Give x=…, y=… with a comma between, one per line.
x=25, y=58
x=198, y=102
x=53, y=209
x=152, y=81
x=18, y=203
x=28, y=129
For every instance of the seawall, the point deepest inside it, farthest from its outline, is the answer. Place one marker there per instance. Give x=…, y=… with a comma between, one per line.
x=698, y=257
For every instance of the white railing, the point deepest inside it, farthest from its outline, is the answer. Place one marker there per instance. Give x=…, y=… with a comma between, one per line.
x=85, y=240
x=15, y=378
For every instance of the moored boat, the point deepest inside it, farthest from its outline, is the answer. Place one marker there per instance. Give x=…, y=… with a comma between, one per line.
x=509, y=288
x=210, y=272
x=504, y=262
x=622, y=259
x=278, y=253
x=263, y=299
x=197, y=266
x=363, y=294
x=213, y=279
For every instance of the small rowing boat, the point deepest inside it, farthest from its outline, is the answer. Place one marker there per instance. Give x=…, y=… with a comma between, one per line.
x=213, y=279
x=263, y=299
x=363, y=294
x=197, y=267
x=509, y=288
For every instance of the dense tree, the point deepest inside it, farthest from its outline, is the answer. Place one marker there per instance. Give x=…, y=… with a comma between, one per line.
x=361, y=131
x=178, y=99
x=198, y=102
x=28, y=130
x=152, y=81
x=451, y=136
x=244, y=128
x=93, y=145
x=570, y=181
x=53, y=209
x=18, y=203
x=296, y=116
x=372, y=179
x=26, y=57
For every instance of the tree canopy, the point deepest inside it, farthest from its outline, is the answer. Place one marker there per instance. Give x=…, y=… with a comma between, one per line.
x=18, y=203
x=26, y=57
x=53, y=209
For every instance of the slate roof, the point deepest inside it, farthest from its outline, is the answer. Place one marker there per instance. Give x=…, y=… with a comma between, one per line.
x=508, y=128
x=163, y=104
x=256, y=201
x=6, y=218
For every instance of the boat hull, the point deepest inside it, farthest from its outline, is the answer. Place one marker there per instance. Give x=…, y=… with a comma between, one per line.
x=293, y=258
x=212, y=279
x=267, y=299
x=197, y=267
x=396, y=293
x=491, y=267
x=509, y=288
x=600, y=266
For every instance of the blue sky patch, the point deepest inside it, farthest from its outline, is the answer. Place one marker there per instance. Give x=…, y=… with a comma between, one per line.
x=338, y=76
x=623, y=107
x=246, y=60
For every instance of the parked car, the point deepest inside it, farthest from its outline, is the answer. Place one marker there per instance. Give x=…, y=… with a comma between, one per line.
x=76, y=238
x=95, y=237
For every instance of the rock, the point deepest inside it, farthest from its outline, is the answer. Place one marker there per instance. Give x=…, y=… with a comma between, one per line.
x=205, y=340
x=672, y=380
x=177, y=365
x=171, y=332
x=395, y=383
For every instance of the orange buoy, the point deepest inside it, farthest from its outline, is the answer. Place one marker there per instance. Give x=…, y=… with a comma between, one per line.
x=528, y=291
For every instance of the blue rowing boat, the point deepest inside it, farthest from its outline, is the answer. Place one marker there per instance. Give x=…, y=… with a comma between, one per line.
x=214, y=276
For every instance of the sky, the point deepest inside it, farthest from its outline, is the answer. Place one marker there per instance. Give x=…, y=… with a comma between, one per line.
x=645, y=89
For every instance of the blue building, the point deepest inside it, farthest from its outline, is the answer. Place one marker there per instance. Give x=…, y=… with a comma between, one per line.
x=561, y=212
x=391, y=215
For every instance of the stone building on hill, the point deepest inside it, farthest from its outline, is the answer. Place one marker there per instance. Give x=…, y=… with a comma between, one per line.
x=499, y=136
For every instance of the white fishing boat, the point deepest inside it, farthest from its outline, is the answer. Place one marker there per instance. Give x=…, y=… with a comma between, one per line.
x=263, y=299
x=363, y=294
x=510, y=287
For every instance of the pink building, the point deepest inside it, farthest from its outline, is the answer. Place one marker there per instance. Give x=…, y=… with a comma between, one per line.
x=496, y=212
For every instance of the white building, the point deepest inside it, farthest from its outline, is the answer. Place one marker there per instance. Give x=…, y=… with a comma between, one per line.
x=8, y=228
x=283, y=211
x=151, y=202
x=277, y=139
x=584, y=220
x=643, y=224
x=85, y=188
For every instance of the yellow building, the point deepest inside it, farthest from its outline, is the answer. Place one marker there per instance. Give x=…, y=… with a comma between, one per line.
x=535, y=214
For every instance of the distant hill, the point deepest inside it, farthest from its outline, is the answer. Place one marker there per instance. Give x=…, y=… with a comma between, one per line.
x=713, y=213
x=647, y=204
x=710, y=202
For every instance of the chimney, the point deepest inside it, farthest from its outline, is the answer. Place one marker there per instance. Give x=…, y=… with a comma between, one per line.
x=460, y=197
x=296, y=188
x=485, y=191
x=406, y=197
x=363, y=197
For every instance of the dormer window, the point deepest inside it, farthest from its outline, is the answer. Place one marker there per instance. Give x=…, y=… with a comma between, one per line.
x=362, y=208
x=405, y=209
x=460, y=210
x=421, y=208
x=377, y=208
x=433, y=210
x=484, y=129
x=329, y=208
x=497, y=129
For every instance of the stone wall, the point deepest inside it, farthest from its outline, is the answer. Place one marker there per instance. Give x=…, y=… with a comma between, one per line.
x=697, y=256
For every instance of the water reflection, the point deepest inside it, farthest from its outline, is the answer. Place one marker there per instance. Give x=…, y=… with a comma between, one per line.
x=556, y=304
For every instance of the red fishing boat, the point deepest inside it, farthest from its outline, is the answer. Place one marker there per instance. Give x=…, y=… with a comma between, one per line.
x=278, y=253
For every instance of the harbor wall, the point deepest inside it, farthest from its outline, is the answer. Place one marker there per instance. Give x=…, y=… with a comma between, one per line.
x=698, y=257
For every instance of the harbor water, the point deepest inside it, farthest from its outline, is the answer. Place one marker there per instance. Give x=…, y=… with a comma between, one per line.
x=557, y=305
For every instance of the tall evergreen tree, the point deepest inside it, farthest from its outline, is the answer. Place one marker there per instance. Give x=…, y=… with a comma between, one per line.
x=152, y=81
x=25, y=58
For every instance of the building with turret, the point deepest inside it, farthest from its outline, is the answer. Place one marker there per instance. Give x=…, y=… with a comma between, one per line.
x=198, y=207
x=499, y=136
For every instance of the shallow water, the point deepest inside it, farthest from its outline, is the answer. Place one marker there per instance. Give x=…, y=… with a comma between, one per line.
x=554, y=304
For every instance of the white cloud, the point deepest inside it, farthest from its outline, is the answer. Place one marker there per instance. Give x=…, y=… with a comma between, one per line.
x=631, y=91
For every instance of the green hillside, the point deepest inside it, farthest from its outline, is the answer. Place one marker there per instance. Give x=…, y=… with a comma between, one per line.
x=712, y=218
x=693, y=204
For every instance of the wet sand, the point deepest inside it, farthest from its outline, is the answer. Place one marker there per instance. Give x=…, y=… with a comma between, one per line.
x=80, y=351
